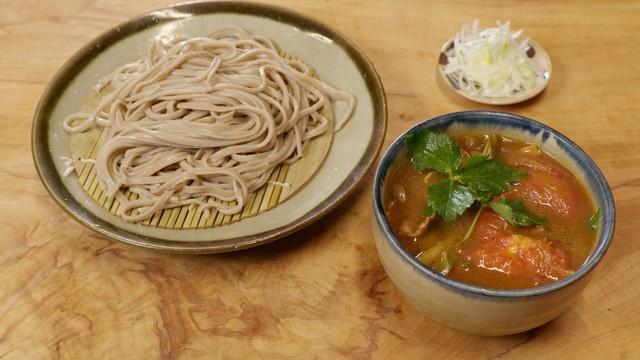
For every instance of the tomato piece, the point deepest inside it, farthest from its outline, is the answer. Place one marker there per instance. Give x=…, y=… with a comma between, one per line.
x=546, y=262
x=521, y=257
x=495, y=247
x=548, y=187
x=548, y=193
x=490, y=226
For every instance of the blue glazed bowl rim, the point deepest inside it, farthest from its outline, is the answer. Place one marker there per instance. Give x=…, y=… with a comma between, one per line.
x=604, y=201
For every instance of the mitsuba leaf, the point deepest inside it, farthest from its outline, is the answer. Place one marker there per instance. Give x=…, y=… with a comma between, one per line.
x=449, y=199
x=516, y=213
x=437, y=151
x=474, y=161
x=427, y=211
x=479, y=178
x=487, y=177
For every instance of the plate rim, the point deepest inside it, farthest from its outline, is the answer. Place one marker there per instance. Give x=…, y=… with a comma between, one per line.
x=51, y=179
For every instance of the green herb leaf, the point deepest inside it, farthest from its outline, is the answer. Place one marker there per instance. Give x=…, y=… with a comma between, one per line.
x=449, y=199
x=427, y=211
x=479, y=178
x=474, y=161
x=438, y=151
x=594, y=220
x=515, y=213
x=487, y=177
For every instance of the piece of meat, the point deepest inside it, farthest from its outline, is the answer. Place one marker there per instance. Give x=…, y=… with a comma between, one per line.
x=414, y=231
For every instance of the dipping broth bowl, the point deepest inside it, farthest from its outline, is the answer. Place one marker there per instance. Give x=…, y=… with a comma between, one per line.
x=472, y=308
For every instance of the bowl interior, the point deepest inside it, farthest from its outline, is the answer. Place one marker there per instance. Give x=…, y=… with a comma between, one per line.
x=523, y=129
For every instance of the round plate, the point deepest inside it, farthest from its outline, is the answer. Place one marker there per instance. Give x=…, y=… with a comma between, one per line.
x=335, y=59
x=540, y=57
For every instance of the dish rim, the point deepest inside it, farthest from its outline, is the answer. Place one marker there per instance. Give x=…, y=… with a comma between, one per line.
x=51, y=180
x=503, y=100
x=608, y=211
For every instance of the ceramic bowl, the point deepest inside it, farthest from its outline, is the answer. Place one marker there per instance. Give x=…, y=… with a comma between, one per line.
x=472, y=308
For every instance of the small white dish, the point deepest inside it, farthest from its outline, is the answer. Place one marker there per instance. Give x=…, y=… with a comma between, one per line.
x=536, y=53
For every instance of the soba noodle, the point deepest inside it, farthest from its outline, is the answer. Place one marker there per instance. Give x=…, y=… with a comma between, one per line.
x=204, y=121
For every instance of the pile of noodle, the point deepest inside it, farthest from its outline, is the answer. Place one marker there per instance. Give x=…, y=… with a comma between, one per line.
x=204, y=121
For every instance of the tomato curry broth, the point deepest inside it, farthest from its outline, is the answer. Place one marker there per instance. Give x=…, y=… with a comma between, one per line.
x=496, y=254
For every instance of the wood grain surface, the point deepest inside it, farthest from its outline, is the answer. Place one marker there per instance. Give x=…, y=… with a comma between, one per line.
x=68, y=293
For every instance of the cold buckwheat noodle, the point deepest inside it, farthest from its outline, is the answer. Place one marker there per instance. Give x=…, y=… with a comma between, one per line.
x=204, y=121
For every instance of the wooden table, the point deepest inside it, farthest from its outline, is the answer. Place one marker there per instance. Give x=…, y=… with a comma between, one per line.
x=66, y=292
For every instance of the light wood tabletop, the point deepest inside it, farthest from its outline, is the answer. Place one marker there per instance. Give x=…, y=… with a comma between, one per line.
x=66, y=292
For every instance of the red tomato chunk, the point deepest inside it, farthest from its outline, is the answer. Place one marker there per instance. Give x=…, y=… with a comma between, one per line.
x=495, y=247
